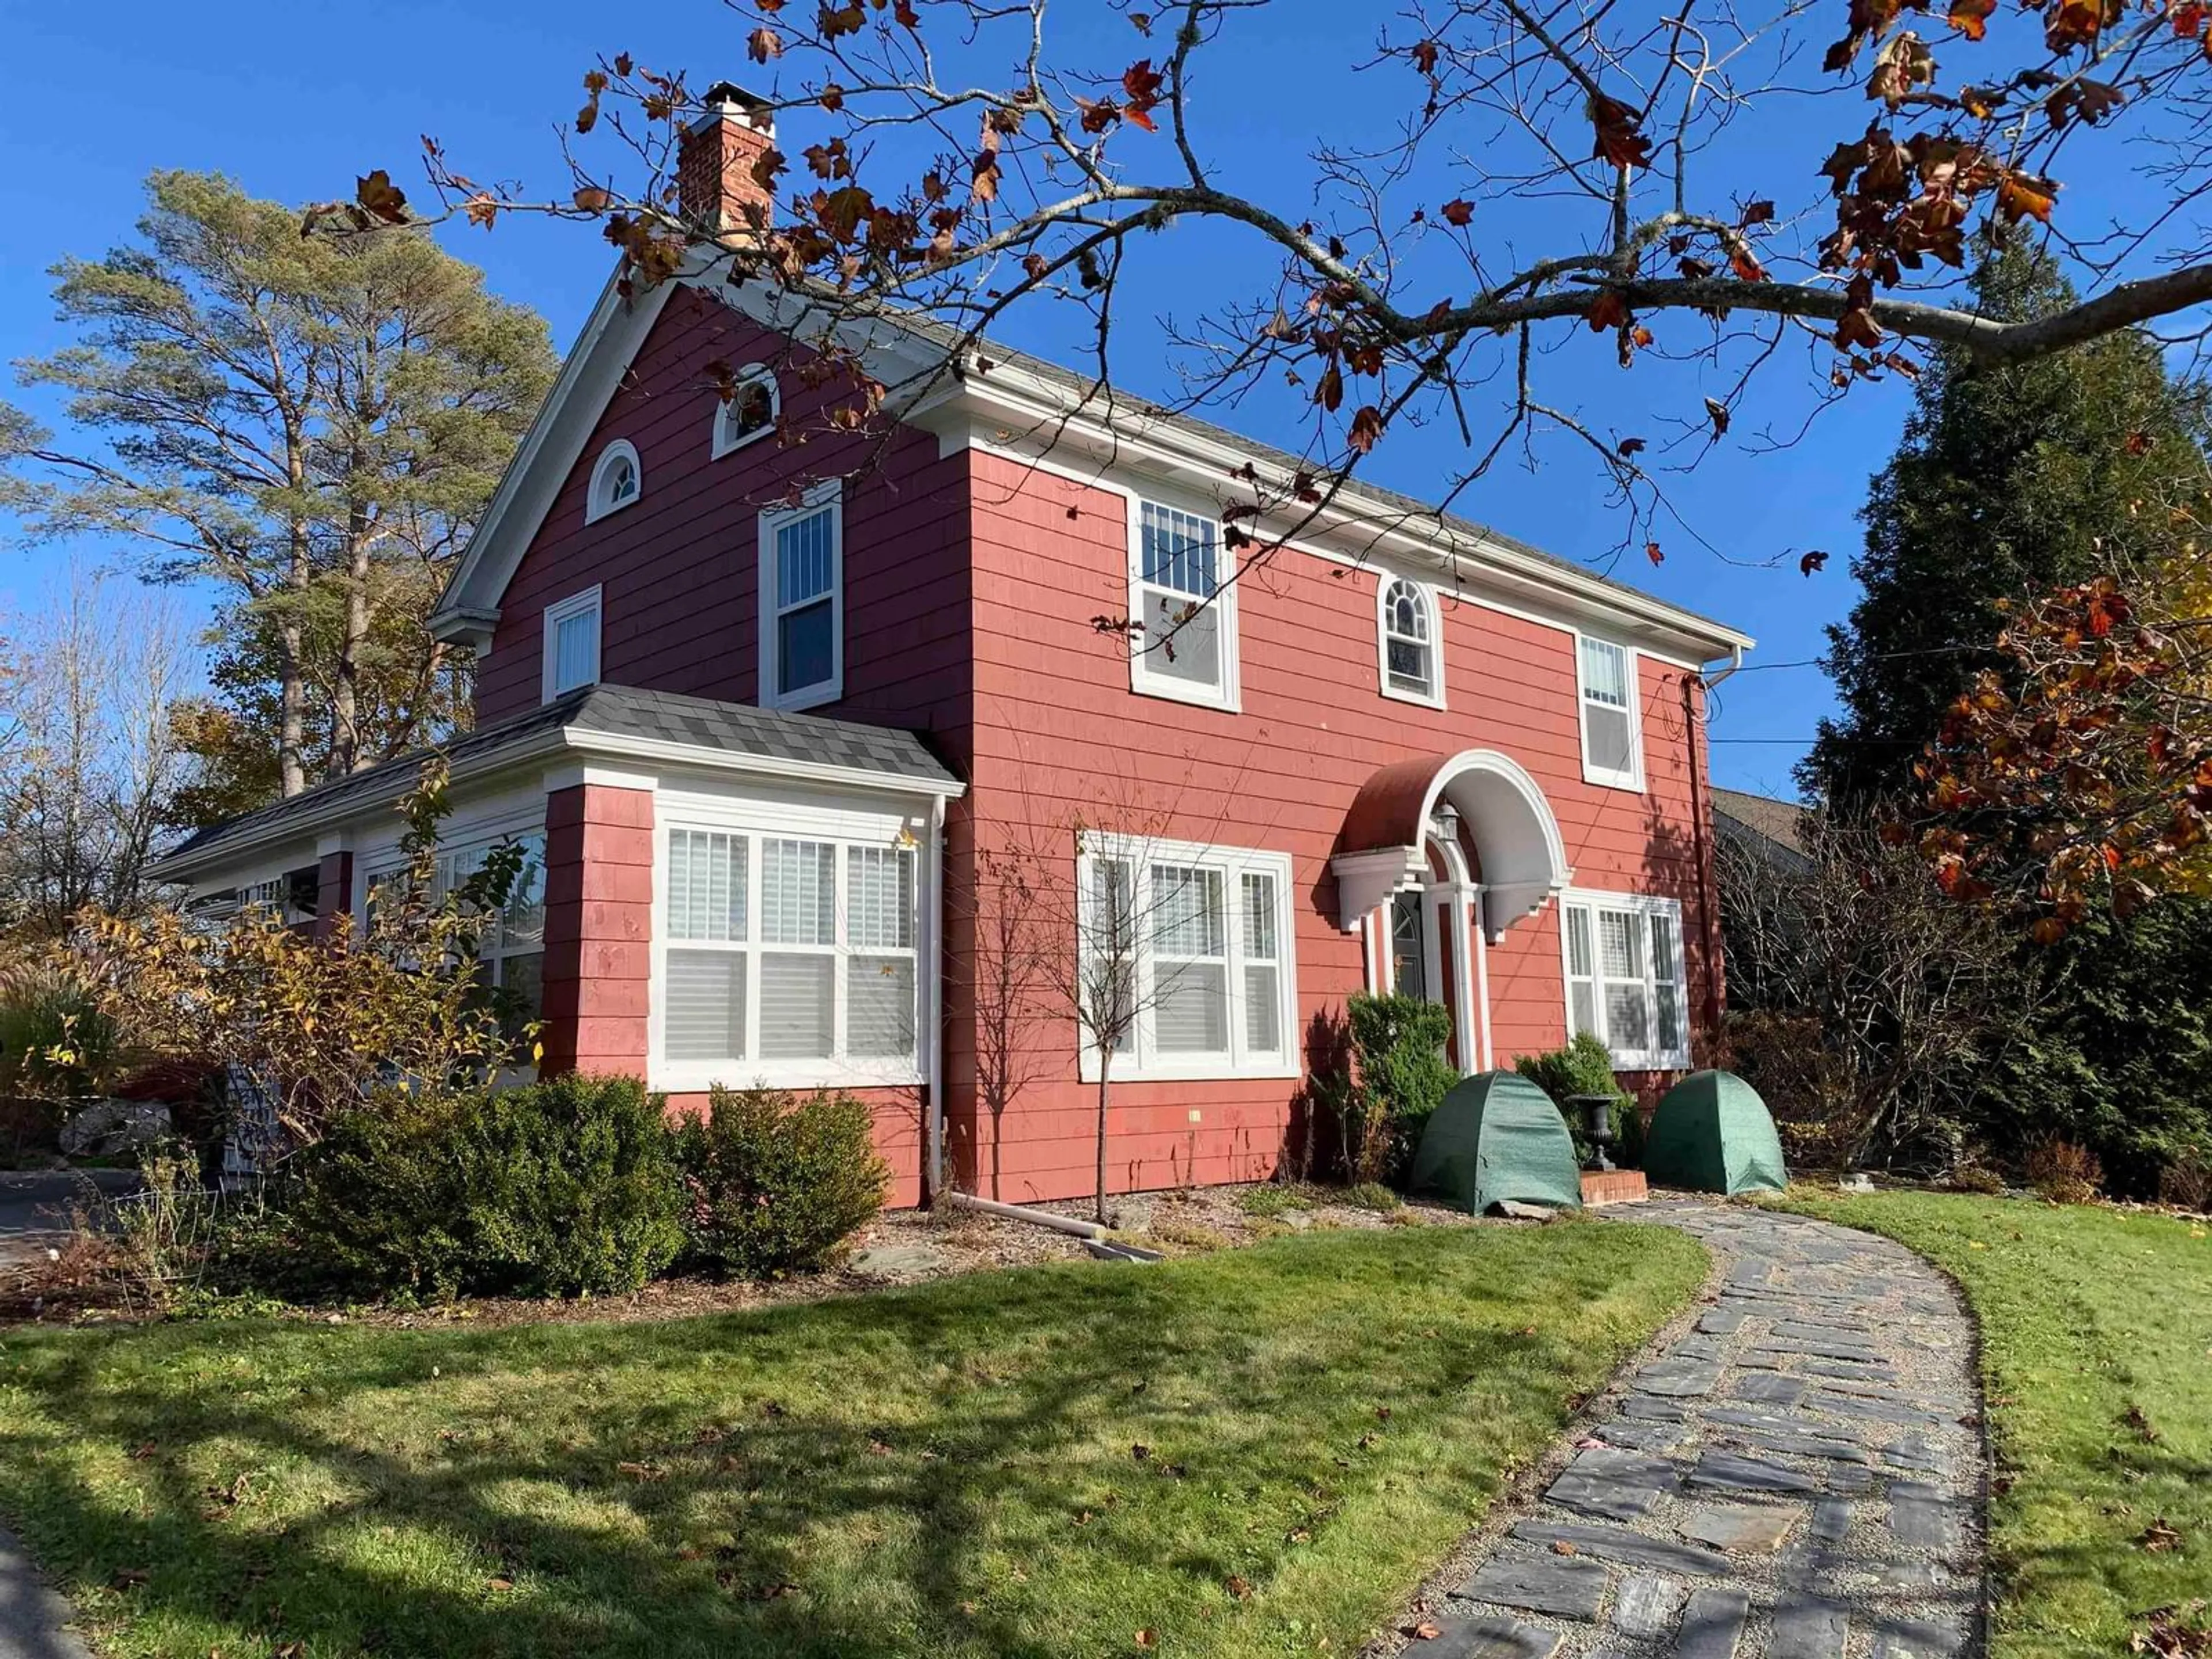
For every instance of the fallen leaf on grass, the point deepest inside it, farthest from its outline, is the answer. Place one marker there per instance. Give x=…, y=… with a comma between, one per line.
x=2158, y=1536
x=1239, y=1587
x=503, y=1583
x=642, y=1471
x=1148, y=1638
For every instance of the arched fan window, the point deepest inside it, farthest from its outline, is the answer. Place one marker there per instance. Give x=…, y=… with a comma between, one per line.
x=749, y=412
x=1413, y=664
x=618, y=480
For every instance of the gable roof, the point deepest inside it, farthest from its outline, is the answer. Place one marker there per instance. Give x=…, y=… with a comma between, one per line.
x=1776, y=827
x=912, y=350
x=613, y=720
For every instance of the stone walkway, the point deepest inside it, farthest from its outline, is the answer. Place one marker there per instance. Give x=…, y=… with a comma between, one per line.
x=1798, y=1476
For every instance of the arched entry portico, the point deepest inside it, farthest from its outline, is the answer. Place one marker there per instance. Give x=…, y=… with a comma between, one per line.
x=1470, y=834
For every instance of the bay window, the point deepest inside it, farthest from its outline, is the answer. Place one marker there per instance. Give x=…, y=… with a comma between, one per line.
x=790, y=958
x=1625, y=977
x=1185, y=959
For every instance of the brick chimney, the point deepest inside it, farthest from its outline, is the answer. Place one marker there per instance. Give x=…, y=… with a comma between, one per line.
x=715, y=183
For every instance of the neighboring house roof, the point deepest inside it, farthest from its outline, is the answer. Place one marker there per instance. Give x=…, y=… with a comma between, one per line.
x=619, y=324
x=1776, y=827
x=605, y=720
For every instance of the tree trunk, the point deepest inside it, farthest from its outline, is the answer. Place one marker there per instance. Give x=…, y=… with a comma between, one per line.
x=1105, y=1085
x=346, y=754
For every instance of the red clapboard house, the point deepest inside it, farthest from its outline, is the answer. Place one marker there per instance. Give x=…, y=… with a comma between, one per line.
x=759, y=707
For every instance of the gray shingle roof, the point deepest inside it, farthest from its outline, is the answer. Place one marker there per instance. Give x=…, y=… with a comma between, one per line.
x=615, y=711
x=1777, y=823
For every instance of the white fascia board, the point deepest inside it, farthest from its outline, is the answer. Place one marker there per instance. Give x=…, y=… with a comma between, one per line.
x=1010, y=403
x=468, y=610
x=695, y=758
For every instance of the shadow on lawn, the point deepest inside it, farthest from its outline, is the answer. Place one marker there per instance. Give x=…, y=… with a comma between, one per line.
x=735, y=1529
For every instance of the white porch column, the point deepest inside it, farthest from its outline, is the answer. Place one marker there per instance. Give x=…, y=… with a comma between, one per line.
x=1470, y=1004
x=1472, y=928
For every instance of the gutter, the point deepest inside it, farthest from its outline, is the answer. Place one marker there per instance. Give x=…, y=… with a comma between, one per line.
x=1736, y=661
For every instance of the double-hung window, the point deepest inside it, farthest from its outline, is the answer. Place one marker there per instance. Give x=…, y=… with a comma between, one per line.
x=802, y=610
x=511, y=940
x=1613, y=744
x=572, y=643
x=1184, y=640
x=1185, y=960
x=790, y=958
x=1626, y=979
x=1412, y=659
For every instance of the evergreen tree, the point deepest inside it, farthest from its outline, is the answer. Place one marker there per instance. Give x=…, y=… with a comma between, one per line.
x=2009, y=481
x=309, y=424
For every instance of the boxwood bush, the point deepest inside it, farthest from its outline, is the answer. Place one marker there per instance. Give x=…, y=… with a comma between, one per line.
x=774, y=1181
x=561, y=1188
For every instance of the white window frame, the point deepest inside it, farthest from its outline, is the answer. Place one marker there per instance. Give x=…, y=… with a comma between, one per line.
x=569, y=609
x=1434, y=698
x=460, y=857
x=1143, y=1062
x=1146, y=680
x=597, y=505
x=1642, y=907
x=837, y=1070
x=830, y=493
x=1632, y=779
x=727, y=441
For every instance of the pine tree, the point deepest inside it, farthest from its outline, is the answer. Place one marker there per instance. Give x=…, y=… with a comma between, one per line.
x=2009, y=482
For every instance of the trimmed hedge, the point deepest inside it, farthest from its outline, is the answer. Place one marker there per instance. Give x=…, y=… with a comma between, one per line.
x=774, y=1181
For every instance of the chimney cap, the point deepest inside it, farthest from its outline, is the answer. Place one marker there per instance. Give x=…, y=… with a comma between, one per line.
x=724, y=93
x=727, y=98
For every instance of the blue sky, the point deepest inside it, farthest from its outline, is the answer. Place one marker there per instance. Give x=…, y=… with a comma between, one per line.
x=294, y=99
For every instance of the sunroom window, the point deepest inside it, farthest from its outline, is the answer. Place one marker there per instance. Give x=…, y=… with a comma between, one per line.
x=789, y=956
x=1186, y=960
x=1184, y=644
x=1625, y=976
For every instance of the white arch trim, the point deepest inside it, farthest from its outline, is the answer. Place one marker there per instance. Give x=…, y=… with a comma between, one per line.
x=1524, y=859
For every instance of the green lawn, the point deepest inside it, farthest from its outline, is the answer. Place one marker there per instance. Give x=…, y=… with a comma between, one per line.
x=2097, y=1355
x=1259, y=1451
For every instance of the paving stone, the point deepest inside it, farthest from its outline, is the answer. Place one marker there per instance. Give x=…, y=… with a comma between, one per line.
x=1808, y=1627
x=1768, y=1387
x=1645, y=1608
x=1822, y=1330
x=1881, y=1411
x=1568, y=1585
x=1731, y=1473
x=1832, y=1520
x=1631, y=1549
x=1921, y=1578
x=1698, y=1350
x=1490, y=1635
x=1851, y=1479
x=1846, y=1370
x=1745, y=1528
x=1712, y=1624
x=1786, y=1339
x=1652, y=1408
x=1913, y=1452
x=1919, y=1517
x=1639, y=1436
x=1793, y=1444
x=1679, y=1378
x=1720, y=1321
x=1914, y=1638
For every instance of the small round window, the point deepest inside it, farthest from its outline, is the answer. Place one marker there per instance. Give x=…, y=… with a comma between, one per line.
x=617, y=479
x=749, y=411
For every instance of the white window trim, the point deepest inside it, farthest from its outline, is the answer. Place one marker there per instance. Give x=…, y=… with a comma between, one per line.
x=1435, y=699
x=1632, y=779
x=830, y=492
x=559, y=611
x=1146, y=1064
x=1644, y=905
x=596, y=505
x=726, y=441
x=838, y=1070
x=1144, y=680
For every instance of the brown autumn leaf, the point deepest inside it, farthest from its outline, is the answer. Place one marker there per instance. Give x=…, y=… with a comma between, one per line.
x=1856, y=327
x=1366, y=429
x=376, y=193
x=499, y=1583
x=1629, y=448
x=763, y=43
x=1972, y=17
x=2022, y=195
x=1607, y=311
x=1813, y=563
x=1424, y=56
x=2160, y=1536
x=1329, y=393
x=1718, y=412
x=642, y=1472
x=1140, y=1451
x=1427, y=1631
x=591, y=199
x=1140, y=93
x=1148, y=1638
x=1458, y=212
x=1651, y=552
x=1238, y=1586
x=1618, y=139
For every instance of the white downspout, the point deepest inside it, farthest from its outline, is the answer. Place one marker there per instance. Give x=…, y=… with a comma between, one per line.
x=1736, y=661
x=936, y=1027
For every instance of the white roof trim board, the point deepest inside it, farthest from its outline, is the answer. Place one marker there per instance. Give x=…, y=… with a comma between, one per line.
x=1019, y=391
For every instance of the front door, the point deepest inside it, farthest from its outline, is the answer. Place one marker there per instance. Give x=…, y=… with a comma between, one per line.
x=1422, y=942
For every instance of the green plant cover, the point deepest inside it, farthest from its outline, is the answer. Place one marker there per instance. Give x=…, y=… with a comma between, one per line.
x=1712, y=1133
x=1496, y=1137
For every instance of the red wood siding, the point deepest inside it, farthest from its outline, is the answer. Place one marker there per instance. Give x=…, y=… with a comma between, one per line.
x=678, y=570
x=599, y=929
x=1058, y=733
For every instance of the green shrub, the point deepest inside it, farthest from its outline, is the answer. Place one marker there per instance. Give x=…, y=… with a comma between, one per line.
x=1401, y=1077
x=561, y=1188
x=773, y=1181
x=1372, y=1196
x=1585, y=1067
